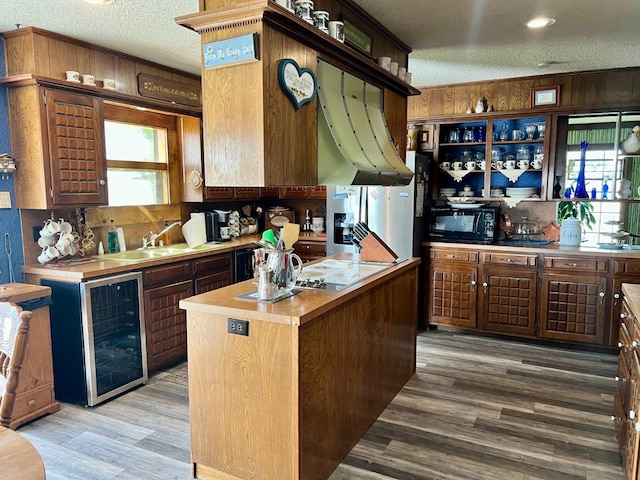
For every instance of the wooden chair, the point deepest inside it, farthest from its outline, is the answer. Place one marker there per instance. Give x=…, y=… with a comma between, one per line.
x=14, y=331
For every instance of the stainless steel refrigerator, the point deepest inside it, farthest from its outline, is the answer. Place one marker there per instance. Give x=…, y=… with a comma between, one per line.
x=396, y=214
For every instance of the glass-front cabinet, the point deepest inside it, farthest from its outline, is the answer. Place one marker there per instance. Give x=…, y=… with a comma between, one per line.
x=497, y=158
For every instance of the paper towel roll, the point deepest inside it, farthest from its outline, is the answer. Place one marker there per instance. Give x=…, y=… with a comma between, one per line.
x=194, y=230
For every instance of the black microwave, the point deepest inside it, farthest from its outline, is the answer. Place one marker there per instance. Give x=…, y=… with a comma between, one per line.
x=464, y=223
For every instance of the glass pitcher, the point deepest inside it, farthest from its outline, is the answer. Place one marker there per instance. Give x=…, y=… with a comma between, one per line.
x=285, y=267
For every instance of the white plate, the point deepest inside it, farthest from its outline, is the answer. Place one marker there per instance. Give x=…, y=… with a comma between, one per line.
x=611, y=246
x=466, y=206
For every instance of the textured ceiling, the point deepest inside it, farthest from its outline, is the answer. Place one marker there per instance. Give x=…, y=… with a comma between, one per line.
x=453, y=41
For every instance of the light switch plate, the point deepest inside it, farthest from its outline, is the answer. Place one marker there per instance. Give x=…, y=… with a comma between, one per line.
x=5, y=200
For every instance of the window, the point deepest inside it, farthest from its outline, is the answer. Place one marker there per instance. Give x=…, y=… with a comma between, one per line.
x=605, y=165
x=138, y=146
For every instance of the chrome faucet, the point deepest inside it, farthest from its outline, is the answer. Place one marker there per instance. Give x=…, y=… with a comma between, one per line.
x=151, y=239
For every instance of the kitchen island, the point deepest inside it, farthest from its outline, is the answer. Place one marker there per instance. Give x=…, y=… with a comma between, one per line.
x=289, y=399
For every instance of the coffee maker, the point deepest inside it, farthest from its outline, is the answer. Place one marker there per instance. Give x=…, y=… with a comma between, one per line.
x=217, y=222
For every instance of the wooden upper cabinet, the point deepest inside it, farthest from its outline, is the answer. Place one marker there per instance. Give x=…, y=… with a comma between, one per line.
x=253, y=136
x=58, y=138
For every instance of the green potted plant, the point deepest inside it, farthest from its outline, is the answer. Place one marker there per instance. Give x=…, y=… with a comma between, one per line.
x=582, y=211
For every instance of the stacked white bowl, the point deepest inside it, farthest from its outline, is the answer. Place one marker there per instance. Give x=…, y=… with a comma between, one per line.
x=521, y=192
x=447, y=192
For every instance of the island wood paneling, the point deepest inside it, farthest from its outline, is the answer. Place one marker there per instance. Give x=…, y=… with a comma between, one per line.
x=288, y=402
x=609, y=89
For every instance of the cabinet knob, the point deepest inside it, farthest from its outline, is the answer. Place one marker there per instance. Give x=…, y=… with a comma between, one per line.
x=601, y=294
x=616, y=296
x=616, y=378
x=620, y=344
x=632, y=414
x=635, y=343
x=31, y=403
x=474, y=283
x=102, y=182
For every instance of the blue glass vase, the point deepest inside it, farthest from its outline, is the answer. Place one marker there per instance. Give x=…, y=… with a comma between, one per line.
x=581, y=187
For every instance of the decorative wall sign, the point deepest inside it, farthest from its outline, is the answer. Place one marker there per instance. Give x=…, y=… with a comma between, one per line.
x=299, y=84
x=356, y=37
x=547, y=96
x=169, y=90
x=231, y=51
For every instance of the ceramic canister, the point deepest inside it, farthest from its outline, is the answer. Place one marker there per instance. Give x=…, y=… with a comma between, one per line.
x=304, y=9
x=570, y=232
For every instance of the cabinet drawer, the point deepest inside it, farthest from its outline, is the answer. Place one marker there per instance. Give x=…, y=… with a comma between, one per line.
x=216, y=263
x=166, y=274
x=32, y=401
x=315, y=248
x=469, y=256
x=626, y=266
x=576, y=264
x=511, y=259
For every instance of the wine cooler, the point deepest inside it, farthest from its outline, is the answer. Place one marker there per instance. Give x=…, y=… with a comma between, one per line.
x=98, y=337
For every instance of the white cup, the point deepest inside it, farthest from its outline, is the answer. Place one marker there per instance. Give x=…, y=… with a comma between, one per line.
x=336, y=30
x=407, y=77
x=68, y=250
x=288, y=4
x=394, y=68
x=536, y=163
x=48, y=254
x=225, y=232
x=304, y=9
x=65, y=227
x=50, y=229
x=499, y=165
x=457, y=165
x=45, y=241
x=510, y=164
x=470, y=165
x=523, y=164
x=446, y=166
x=109, y=83
x=482, y=164
x=385, y=63
x=72, y=76
x=88, y=79
x=402, y=71
x=321, y=20
x=65, y=240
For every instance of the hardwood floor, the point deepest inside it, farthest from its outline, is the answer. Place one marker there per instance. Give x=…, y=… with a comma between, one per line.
x=477, y=409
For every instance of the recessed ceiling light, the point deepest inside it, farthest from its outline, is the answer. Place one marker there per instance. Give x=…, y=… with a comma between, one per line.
x=540, y=22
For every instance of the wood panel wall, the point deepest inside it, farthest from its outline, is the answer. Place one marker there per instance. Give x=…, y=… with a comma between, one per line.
x=33, y=51
x=579, y=91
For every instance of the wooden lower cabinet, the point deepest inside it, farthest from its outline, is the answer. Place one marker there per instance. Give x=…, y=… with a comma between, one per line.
x=538, y=295
x=627, y=394
x=573, y=307
x=452, y=294
x=508, y=301
x=164, y=287
x=309, y=251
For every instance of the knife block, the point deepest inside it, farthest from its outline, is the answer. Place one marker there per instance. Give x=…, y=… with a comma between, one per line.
x=373, y=249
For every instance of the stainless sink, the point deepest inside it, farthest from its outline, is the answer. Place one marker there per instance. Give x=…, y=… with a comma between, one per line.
x=157, y=252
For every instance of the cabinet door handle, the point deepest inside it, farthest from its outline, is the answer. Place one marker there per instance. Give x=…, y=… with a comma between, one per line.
x=601, y=295
x=102, y=182
x=451, y=255
x=632, y=414
x=635, y=343
x=576, y=265
x=509, y=260
x=616, y=296
x=620, y=344
x=623, y=315
x=484, y=286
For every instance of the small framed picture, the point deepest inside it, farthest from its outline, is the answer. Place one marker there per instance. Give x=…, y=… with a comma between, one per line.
x=547, y=96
